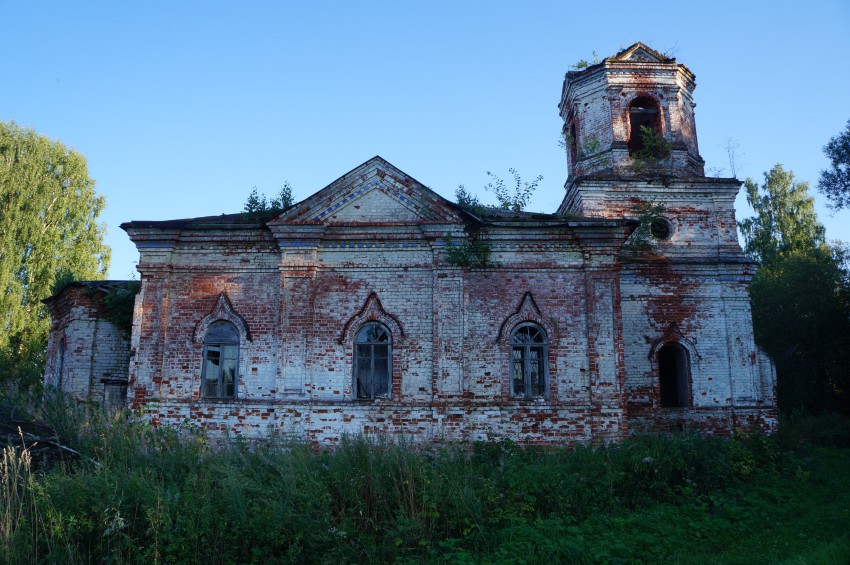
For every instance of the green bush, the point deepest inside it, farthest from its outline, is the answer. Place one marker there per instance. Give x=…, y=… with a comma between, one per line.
x=826, y=428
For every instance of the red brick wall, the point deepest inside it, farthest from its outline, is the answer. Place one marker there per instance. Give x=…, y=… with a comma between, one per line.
x=451, y=328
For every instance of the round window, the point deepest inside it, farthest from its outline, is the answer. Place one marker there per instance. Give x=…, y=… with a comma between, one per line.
x=661, y=229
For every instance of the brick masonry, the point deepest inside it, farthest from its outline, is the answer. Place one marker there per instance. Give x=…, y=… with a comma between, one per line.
x=87, y=355
x=372, y=246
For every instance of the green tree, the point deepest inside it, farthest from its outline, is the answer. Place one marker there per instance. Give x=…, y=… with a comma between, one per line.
x=834, y=182
x=48, y=232
x=785, y=219
x=800, y=294
x=801, y=316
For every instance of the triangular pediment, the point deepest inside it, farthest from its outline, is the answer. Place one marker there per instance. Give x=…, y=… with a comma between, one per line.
x=641, y=53
x=376, y=192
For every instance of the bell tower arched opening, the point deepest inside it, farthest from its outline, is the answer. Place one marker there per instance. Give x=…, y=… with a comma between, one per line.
x=644, y=112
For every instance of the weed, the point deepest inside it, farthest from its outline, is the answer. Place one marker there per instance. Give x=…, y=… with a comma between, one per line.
x=651, y=226
x=653, y=148
x=472, y=252
x=144, y=495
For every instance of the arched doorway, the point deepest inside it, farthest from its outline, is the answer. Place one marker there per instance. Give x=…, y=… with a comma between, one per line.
x=673, y=376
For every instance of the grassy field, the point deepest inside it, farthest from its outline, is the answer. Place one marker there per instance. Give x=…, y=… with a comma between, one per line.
x=139, y=495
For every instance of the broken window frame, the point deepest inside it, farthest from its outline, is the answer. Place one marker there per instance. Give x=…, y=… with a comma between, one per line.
x=220, y=364
x=529, y=348
x=674, y=380
x=373, y=362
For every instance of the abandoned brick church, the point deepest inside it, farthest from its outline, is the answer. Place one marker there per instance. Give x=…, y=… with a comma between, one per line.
x=376, y=305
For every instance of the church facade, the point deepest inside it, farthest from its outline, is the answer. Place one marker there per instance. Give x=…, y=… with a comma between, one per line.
x=377, y=306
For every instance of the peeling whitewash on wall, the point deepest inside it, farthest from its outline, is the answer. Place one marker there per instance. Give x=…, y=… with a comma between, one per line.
x=296, y=290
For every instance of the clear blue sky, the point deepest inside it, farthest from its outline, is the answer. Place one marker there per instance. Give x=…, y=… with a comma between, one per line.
x=182, y=107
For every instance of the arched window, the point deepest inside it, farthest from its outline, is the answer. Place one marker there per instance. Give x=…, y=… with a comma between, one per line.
x=221, y=361
x=643, y=111
x=529, y=352
x=372, y=361
x=673, y=369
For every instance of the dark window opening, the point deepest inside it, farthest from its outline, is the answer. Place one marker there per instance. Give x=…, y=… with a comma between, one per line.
x=661, y=229
x=643, y=111
x=529, y=353
x=221, y=361
x=573, y=144
x=372, y=362
x=673, y=376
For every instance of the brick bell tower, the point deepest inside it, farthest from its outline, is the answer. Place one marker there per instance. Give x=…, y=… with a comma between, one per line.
x=629, y=116
x=632, y=144
x=690, y=358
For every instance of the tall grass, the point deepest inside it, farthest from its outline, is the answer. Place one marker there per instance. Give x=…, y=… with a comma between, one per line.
x=137, y=494
x=25, y=511
x=16, y=505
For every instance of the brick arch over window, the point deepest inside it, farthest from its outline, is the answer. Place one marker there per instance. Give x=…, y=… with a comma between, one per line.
x=223, y=310
x=372, y=311
x=527, y=311
x=675, y=361
x=673, y=334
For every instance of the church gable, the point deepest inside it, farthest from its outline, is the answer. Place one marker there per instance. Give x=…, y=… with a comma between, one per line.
x=640, y=53
x=370, y=204
x=376, y=192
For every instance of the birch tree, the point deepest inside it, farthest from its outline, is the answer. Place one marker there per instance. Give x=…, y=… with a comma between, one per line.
x=48, y=232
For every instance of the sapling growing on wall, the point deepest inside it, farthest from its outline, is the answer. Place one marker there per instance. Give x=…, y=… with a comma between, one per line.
x=259, y=205
x=469, y=201
x=513, y=198
x=654, y=148
x=584, y=63
x=119, y=302
x=589, y=146
x=651, y=227
x=475, y=251
x=471, y=252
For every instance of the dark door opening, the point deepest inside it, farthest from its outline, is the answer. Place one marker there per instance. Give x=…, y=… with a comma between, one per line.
x=673, y=376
